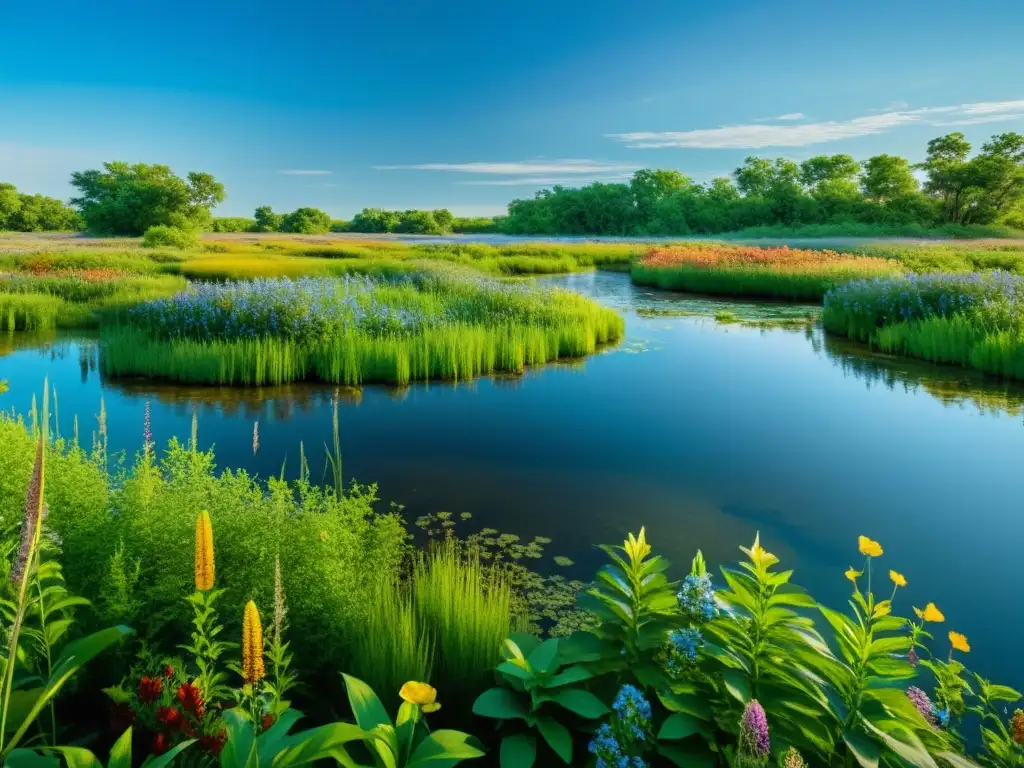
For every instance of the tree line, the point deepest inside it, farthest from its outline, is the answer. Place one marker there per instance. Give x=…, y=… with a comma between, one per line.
x=958, y=189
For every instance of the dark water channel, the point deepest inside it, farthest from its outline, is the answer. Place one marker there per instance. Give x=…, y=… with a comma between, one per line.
x=702, y=431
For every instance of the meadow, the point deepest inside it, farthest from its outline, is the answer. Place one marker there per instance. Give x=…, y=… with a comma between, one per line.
x=785, y=273
x=205, y=607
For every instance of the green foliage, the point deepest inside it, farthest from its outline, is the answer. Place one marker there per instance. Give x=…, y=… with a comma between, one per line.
x=266, y=220
x=233, y=224
x=125, y=199
x=306, y=221
x=79, y=757
x=34, y=213
x=377, y=220
x=541, y=690
x=160, y=236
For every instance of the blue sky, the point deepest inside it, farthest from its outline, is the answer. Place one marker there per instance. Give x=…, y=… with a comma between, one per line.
x=469, y=104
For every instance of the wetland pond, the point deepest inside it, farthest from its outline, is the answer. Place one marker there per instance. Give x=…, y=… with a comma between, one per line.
x=705, y=432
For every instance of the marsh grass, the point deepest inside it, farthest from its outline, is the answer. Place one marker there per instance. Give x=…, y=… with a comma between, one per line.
x=785, y=273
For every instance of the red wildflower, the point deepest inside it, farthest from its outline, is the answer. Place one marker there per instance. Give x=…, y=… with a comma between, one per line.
x=160, y=743
x=268, y=720
x=168, y=671
x=213, y=744
x=150, y=689
x=191, y=699
x=171, y=718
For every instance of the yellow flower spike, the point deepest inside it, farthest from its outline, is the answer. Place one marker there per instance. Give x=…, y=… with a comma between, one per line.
x=869, y=547
x=758, y=555
x=959, y=642
x=898, y=579
x=884, y=608
x=930, y=613
x=853, y=575
x=204, y=552
x=252, y=644
x=421, y=694
x=637, y=548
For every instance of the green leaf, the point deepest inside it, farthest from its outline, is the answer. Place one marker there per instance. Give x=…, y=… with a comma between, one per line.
x=274, y=738
x=240, y=749
x=581, y=702
x=513, y=669
x=499, y=703
x=524, y=641
x=1002, y=693
x=574, y=674
x=737, y=684
x=557, y=736
x=687, y=704
x=580, y=646
x=442, y=749
x=167, y=758
x=29, y=758
x=121, y=752
x=321, y=743
x=690, y=755
x=365, y=705
x=543, y=656
x=865, y=749
x=19, y=706
x=679, y=726
x=518, y=751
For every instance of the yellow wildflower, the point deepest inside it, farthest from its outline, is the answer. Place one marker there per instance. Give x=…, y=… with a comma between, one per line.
x=959, y=642
x=930, y=613
x=758, y=554
x=204, y=552
x=637, y=548
x=884, y=608
x=853, y=575
x=898, y=579
x=324, y=536
x=252, y=644
x=869, y=547
x=423, y=694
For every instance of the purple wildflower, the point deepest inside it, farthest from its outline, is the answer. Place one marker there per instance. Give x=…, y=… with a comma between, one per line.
x=754, y=740
x=923, y=704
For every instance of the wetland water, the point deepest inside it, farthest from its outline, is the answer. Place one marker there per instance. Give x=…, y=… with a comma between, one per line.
x=704, y=432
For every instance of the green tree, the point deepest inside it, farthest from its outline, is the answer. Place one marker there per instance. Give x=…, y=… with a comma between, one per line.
x=374, y=220
x=125, y=199
x=39, y=213
x=267, y=220
x=9, y=205
x=888, y=177
x=830, y=174
x=650, y=187
x=307, y=221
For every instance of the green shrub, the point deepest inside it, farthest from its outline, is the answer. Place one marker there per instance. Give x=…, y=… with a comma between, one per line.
x=163, y=236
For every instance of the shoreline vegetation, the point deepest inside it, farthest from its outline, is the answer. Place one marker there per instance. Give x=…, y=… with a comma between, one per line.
x=166, y=561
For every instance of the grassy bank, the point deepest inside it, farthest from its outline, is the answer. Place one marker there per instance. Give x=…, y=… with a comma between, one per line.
x=170, y=547
x=785, y=273
x=441, y=324
x=973, y=320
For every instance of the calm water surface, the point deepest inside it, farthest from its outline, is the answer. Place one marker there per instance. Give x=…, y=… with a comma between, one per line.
x=703, y=432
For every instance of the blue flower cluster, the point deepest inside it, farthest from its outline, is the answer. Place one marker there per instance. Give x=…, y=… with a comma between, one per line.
x=682, y=648
x=697, y=597
x=996, y=297
x=609, y=753
x=634, y=712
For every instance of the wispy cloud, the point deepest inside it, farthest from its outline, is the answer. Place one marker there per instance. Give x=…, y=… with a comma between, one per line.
x=787, y=116
x=759, y=135
x=523, y=167
x=565, y=181
x=300, y=172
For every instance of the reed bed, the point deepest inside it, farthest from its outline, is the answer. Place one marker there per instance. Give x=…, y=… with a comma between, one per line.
x=438, y=325
x=787, y=273
x=972, y=320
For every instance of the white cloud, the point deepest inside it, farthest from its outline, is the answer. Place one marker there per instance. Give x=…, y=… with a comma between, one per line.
x=305, y=173
x=523, y=167
x=543, y=180
x=757, y=136
x=791, y=116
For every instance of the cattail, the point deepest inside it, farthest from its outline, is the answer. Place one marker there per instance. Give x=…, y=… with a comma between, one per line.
x=204, y=552
x=34, y=513
x=255, y=436
x=280, y=609
x=252, y=645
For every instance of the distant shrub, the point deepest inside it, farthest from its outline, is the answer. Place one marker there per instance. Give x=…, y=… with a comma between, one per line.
x=232, y=224
x=162, y=236
x=338, y=225
x=307, y=221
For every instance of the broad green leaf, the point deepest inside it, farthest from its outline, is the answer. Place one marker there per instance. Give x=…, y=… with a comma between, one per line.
x=737, y=684
x=442, y=749
x=679, y=726
x=557, y=736
x=865, y=749
x=323, y=743
x=1002, y=693
x=689, y=755
x=121, y=752
x=580, y=646
x=518, y=751
x=543, y=656
x=499, y=703
x=21, y=703
x=513, y=669
x=168, y=757
x=525, y=642
x=365, y=705
x=29, y=758
x=274, y=738
x=240, y=749
x=574, y=674
x=687, y=704
x=583, y=703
